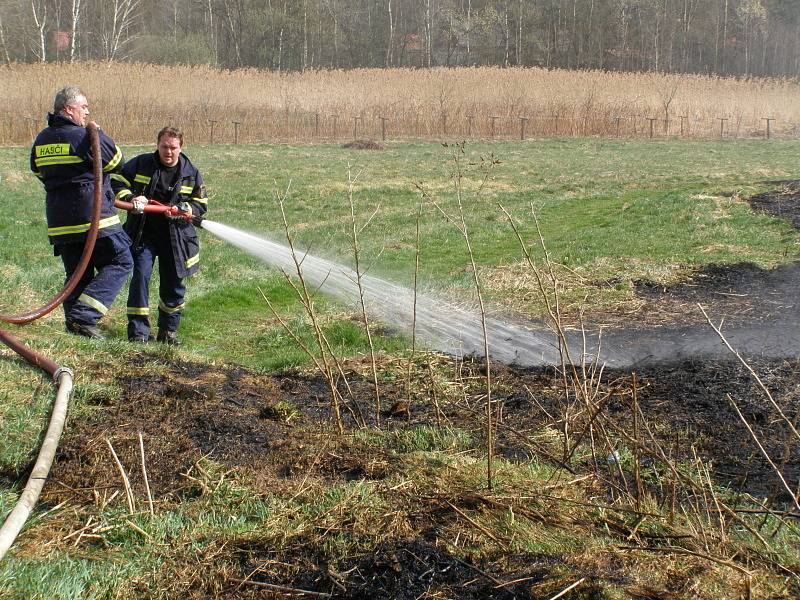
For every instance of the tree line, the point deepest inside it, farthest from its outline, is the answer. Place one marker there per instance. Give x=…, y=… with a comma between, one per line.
x=727, y=37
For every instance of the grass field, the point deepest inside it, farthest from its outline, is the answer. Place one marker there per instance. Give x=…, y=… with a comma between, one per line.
x=616, y=211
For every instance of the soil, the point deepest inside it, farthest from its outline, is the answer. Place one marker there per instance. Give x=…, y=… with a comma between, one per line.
x=363, y=144
x=275, y=430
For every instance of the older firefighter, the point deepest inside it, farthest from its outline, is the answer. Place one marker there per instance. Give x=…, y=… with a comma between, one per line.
x=61, y=157
x=166, y=175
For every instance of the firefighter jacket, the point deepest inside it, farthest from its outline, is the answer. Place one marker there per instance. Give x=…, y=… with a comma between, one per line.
x=61, y=157
x=139, y=177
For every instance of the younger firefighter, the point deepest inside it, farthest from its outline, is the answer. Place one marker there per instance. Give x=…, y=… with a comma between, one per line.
x=168, y=176
x=61, y=157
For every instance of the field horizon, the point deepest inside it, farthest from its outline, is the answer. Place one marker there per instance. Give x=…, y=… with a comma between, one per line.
x=251, y=106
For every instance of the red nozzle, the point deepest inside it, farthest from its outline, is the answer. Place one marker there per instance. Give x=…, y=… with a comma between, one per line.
x=154, y=206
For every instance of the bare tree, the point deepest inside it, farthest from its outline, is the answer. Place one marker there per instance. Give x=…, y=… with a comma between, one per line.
x=390, y=44
x=3, y=41
x=234, y=23
x=76, y=16
x=213, y=32
x=118, y=31
x=39, y=10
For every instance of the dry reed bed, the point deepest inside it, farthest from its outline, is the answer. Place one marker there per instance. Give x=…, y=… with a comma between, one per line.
x=132, y=101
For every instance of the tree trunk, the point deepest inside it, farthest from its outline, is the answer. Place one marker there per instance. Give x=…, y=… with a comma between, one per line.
x=40, y=20
x=519, y=34
x=210, y=28
x=3, y=41
x=390, y=44
x=724, y=35
x=305, y=35
x=76, y=17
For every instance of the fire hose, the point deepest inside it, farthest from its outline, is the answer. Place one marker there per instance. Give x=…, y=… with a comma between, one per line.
x=154, y=206
x=62, y=376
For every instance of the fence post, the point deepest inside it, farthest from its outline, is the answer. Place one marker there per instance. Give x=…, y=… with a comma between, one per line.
x=683, y=118
x=652, y=120
x=555, y=124
x=383, y=127
x=316, y=125
x=616, y=125
x=722, y=126
x=335, y=120
x=768, y=120
x=355, y=127
x=444, y=123
x=212, y=131
x=522, y=121
x=493, y=119
x=236, y=131
x=469, y=125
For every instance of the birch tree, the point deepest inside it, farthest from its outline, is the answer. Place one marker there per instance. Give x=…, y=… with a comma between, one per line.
x=118, y=28
x=39, y=11
x=75, y=12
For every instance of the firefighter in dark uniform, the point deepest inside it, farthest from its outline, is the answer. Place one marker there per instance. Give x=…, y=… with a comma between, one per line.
x=168, y=176
x=61, y=157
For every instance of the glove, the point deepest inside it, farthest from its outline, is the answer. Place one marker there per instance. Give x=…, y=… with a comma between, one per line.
x=185, y=208
x=138, y=205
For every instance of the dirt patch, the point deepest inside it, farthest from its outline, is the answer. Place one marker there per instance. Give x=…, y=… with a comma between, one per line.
x=783, y=203
x=737, y=293
x=364, y=145
x=275, y=429
x=403, y=570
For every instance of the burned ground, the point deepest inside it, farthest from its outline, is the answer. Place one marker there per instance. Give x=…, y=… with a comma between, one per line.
x=275, y=433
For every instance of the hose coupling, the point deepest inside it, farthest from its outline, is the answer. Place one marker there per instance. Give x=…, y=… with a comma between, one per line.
x=62, y=371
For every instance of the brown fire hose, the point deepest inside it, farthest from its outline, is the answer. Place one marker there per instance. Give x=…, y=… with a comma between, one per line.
x=61, y=375
x=91, y=238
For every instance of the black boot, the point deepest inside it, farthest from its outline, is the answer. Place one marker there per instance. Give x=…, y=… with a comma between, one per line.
x=168, y=337
x=142, y=339
x=90, y=331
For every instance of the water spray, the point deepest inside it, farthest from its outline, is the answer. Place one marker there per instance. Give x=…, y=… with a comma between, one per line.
x=458, y=331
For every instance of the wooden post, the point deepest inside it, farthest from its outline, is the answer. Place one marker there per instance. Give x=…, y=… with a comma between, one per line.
x=316, y=124
x=444, y=123
x=684, y=118
x=493, y=118
x=355, y=127
x=768, y=120
x=722, y=126
x=652, y=120
x=522, y=121
x=469, y=125
x=383, y=127
x=212, y=131
x=335, y=119
x=616, y=125
x=555, y=124
x=236, y=131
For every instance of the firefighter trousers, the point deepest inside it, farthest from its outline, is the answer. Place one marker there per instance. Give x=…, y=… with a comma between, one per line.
x=171, y=288
x=102, y=280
